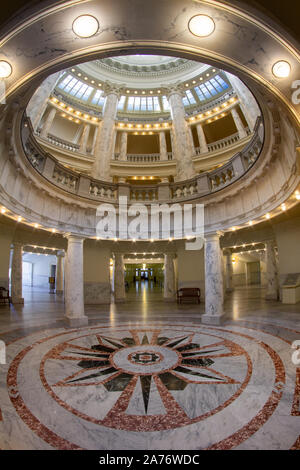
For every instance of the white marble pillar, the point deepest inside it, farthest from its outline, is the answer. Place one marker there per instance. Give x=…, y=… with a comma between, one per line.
x=105, y=139
x=48, y=123
x=202, y=139
x=95, y=138
x=247, y=101
x=272, y=278
x=119, y=281
x=39, y=101
x=191, y=139
x=238, y=122
x=229, y=272
x=214, y=292
x=84, y=138
x=123, y=145
x=59, y=272
x=181, y=140
x=74, y=303
x=163, y=146
x=169, y=281
x=16, y=274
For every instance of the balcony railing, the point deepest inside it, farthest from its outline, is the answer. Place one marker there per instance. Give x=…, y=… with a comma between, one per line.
x=85, y=186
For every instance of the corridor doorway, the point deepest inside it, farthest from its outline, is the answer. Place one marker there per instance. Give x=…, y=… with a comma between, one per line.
x=144, y=281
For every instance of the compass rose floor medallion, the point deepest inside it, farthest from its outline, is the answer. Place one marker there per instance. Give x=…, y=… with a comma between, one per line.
x=158, y=386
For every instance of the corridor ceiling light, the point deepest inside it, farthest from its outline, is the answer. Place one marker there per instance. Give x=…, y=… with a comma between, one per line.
x=250, y=222
x=85, y=26
x=268, y=216
x=233, y=229
x=201, y=25
x=281, y=69
x=283, y=207
x=297, y=195
x=3, y=210
x=53, y=230
x=36, y=225
x=5, y=69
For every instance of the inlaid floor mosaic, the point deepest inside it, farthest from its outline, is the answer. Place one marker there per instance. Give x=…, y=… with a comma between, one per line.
x=160, y=386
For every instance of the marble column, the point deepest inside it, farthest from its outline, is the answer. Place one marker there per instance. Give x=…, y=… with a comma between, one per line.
x=84, y=138
x=202, y=139
x=95, y=138
x=60, y=272
x=105, y=139
x=238, y=122
x=272, y=279
x=169, y=282
x=181, y=139
x=163, y=146
x=191, y=139
x=214, y=292
x=119, y=281
x=39, y=101
x=247, y=101
x=74, y=303
x=123, y=145
x=16, y=274
x=48, y=123
x=229, y=272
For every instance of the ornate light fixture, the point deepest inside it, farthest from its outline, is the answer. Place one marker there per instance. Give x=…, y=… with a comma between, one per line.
x=281, y=69
x=85, y=26
x=201, y=25
x=5, y=69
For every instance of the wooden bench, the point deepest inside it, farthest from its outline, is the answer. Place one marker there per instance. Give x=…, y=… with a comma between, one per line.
x=4, y=295
x=189, y=293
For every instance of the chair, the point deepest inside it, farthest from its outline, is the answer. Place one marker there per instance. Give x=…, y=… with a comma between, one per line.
x=4, y=295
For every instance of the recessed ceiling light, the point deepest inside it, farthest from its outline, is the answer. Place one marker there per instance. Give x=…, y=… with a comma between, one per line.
x=85, y=26
x=281, y=69
x=5, y=69
x=201, y=25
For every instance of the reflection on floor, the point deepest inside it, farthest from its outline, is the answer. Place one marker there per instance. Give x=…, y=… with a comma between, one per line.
x=147, y=375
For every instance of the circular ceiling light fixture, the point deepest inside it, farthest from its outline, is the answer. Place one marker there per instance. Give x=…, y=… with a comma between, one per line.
x=201, y=25
x=85, y=26
x=281, y=69
x=5, y=69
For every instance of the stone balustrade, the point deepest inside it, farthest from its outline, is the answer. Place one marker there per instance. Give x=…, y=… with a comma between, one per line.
x=61, y=143
x=83, y=185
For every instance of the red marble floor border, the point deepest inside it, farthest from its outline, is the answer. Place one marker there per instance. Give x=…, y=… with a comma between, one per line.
x=296, y=401
x=296, y=445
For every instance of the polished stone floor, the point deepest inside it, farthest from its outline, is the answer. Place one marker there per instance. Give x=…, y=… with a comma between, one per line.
x=146, y=374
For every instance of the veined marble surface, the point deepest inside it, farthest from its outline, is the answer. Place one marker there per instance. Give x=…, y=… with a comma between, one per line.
x=160, y=384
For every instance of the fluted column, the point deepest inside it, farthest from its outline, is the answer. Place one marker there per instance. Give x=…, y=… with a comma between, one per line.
x=48, y=122
x=169, y=282
x=119, y=282
x=123, y=145
x=181, y=139
x=84, y=138
x=163, y=146
x=59, y=272
x=74, y=303
x=39, y=101
x=214, y=292
x=202, y=139
x=229, y=272
x=105, y=139
x=238, y=122
x=16, y=274
x=272, y=280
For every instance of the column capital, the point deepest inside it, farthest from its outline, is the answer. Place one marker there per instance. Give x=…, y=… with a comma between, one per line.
x=74, y=238
x=60, y=254
x=111, y=89
x=175, y=89
x=213, y=236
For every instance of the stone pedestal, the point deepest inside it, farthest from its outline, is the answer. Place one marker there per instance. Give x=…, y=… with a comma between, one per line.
x=169, y=282
x=119, y=281
x=272, y=278
x=229, y=272
x=74, y=303
x=16, y=275
x=105, y=139
x=214, y=292
x=60, y=272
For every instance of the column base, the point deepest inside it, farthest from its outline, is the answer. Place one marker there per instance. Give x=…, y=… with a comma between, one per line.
x=169, y=299
x=229, y=290
x=271, y=297
x=119, y=301
x=59, y=292
x=77, y=321
x=212, y=319
x=16, y=301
